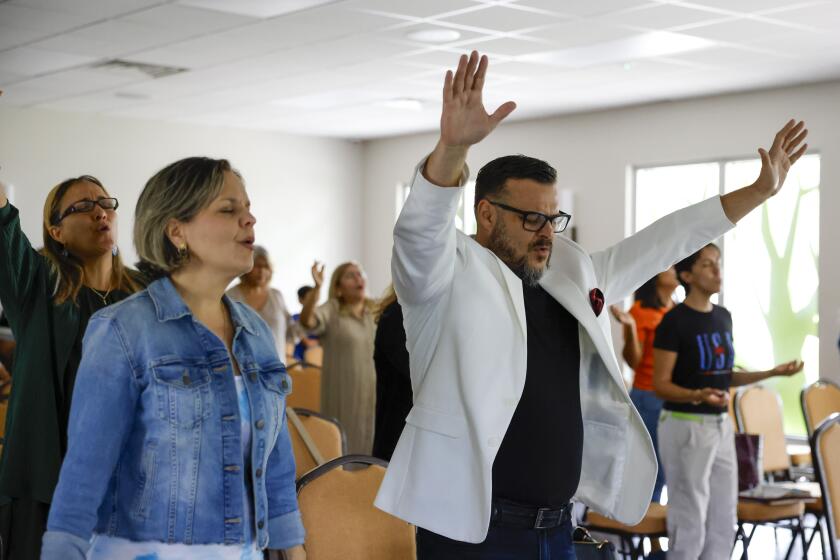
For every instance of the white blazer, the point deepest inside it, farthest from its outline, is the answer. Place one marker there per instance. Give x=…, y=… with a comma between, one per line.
x=464, y=318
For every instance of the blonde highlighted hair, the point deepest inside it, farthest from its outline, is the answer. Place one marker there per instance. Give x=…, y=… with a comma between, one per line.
x=389, y=297
x=179, y=191
x=335, y=280
x=65, y=266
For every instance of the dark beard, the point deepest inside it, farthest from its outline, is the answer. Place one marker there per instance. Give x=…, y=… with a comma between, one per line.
x=500, y=244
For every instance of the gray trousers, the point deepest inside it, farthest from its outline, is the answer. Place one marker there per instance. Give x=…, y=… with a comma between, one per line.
x=698, y=455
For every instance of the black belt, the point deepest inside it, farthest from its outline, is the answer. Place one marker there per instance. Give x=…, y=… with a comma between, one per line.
x=505, y=513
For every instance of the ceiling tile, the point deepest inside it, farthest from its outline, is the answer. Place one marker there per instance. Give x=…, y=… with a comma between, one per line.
x=186, y=20
x=343, y=52
x=342, y=19
x=339, y=66
x=579, y=34
x=109, y=38
x=42, y=20
x=801, y=44
x=507, y=46
x=83, y=80
x=31, y=61
x=729, y=57
x=180, y=85
x=11, y=37
x=824, y=15
x=437, y=59
x=662, y=17
x=97, y=9
x=236, y=44
x=521, y=69
x=503, y=18
x=91, y=103
x=736, y=31
x=23, y=95
x=746, y=6
x=427, y=8
x=586, y=8
x=7, y=77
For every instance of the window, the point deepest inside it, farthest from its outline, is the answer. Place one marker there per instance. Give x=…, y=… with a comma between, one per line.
x=770, y=274
x=464, y=217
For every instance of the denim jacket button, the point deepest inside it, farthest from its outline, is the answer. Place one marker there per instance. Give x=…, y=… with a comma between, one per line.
x=259, y=473
x=253, y=377
x=261, y=524
x=260, y=424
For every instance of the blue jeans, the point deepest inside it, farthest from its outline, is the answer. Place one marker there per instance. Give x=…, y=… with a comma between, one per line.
x=649, y=407
x=502, y=543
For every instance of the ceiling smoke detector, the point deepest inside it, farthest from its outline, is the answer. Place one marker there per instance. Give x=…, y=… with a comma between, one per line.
x=153, y=71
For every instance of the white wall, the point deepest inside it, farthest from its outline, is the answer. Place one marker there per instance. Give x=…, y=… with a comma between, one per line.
x=305, y=192
x=594, y=151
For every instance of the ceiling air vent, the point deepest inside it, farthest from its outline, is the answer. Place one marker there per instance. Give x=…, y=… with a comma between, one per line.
x=150, y=70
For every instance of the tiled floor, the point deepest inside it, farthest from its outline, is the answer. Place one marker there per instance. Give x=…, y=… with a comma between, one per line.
x=765, y=547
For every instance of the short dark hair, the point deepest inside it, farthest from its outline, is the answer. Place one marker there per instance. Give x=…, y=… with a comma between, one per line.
x=302, y=291
x=492, y=177
x=687, y=263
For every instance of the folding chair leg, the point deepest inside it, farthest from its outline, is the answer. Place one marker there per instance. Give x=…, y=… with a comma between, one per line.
x=746, y=539
x=801, y=522
x=796, y=529
x=625, y=549
x=823, y=541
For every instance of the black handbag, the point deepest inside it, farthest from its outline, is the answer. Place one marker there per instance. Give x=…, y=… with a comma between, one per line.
x=748, y=449
x=587, y=548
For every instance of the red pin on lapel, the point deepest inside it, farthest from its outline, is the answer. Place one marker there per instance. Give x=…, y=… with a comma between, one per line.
x=596, y=300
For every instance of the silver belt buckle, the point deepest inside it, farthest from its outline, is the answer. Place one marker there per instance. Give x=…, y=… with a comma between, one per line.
x=540, y=516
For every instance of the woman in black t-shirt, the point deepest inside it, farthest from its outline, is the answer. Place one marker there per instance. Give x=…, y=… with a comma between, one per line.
x=692, y=372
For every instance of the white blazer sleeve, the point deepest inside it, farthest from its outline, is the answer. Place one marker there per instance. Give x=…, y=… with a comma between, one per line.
x=423, y=261
x=627, y=265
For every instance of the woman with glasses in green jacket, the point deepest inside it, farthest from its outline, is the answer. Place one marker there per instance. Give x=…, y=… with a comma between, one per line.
x=48, y=296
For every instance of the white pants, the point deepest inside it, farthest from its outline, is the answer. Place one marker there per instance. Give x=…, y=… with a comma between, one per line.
x=698, y=455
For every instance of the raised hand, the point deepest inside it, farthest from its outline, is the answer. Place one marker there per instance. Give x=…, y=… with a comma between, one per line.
x=624, y=318
x=786, y=149
x=318, y=274
x=787, y=369
x=464, y=120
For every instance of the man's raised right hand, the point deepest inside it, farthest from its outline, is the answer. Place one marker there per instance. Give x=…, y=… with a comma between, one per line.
x=463, y=120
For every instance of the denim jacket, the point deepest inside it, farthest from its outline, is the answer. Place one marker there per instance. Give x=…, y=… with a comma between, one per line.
x=154, y=450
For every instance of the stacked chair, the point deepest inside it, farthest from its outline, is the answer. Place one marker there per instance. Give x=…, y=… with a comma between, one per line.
x=758, y=410
x=825, y=446
x=336, y=493
x=336, y=503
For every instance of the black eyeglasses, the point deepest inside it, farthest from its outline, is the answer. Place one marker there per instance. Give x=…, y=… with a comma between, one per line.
x=86, y=206
x=535, y=221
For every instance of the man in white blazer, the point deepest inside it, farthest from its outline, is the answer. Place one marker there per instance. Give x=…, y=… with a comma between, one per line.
x=519, y=403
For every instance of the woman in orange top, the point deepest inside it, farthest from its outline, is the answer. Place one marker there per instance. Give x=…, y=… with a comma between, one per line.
x=652, y=301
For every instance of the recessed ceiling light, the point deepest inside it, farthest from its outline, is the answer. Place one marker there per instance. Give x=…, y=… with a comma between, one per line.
x=434, y=35
x=256, y=8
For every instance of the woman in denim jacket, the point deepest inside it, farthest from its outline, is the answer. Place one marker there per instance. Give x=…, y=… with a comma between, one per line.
x=178, y=446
